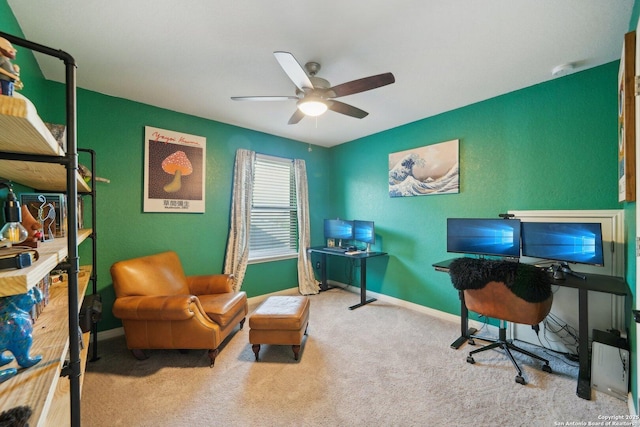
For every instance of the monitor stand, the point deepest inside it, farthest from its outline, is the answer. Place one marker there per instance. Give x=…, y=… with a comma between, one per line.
x=559, y=271
x=368, y=247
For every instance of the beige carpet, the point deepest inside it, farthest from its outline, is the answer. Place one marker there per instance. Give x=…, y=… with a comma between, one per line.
x=379, y=364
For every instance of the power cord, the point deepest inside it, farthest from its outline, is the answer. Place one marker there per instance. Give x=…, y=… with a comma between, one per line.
x=558, y=331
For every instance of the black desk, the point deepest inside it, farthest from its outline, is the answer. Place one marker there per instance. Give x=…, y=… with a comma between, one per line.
x=362, y=257
x=593, y=282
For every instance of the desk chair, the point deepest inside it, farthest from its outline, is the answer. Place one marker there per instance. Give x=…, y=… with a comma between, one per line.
x=507, y=291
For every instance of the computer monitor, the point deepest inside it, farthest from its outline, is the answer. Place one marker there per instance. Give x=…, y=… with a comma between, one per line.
x=364, y=231
x=339, y=229
x=484, y=236
x=571, y=242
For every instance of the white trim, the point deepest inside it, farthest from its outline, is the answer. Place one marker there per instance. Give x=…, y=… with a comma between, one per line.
x=110, y=333
x=411, y=306
x=254, y=301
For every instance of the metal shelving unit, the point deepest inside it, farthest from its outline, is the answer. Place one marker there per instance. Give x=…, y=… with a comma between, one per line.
x=41, y=168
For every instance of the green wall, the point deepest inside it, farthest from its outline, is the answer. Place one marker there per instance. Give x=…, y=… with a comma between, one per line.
x=550, y=146
x=114, y=128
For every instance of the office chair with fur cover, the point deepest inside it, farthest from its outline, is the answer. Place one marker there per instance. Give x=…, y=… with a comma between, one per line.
x=507, y=291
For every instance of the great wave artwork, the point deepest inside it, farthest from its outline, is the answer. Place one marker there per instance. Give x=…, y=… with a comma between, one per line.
x=433, y=169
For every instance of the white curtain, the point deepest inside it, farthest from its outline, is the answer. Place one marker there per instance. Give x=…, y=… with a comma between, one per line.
x=306, y=279
x=237, y=254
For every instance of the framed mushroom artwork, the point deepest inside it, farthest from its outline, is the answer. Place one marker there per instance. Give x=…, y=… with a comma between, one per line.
x=174, y=171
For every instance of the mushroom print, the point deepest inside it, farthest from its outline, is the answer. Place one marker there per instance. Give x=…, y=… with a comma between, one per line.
x=178, y=165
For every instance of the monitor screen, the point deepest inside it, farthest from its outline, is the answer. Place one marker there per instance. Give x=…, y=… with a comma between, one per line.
x=338, y=229
x=579, y=242
x=364, y=231
x=500, y=237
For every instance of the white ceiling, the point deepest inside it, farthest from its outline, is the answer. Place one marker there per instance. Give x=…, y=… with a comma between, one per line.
x=191, y=56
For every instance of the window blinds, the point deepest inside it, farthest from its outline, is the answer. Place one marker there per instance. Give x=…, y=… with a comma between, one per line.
x=274, y=230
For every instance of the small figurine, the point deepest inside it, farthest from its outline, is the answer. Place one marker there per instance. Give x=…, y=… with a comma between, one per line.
x=16, y=331
x=9, y=73
x=33, y=227
x=47, y=219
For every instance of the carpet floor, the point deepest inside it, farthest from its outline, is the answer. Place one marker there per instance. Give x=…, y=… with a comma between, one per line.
x=379, y=364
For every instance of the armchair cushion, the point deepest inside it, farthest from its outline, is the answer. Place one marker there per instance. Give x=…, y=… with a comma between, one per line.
x=222, y=308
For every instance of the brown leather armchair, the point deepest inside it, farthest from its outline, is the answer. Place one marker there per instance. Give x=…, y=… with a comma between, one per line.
x=504, y=290
x=161, y=308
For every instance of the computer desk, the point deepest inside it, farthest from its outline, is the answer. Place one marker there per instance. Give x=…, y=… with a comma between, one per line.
x=361, y=257
x=593, y=282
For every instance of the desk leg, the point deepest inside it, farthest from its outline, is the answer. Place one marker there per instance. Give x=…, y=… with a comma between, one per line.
x=363, y=286
x=584, y=374
x=465, y=331
x=323, y=273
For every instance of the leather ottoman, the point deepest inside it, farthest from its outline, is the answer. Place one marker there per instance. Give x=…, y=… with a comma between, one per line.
x=280, y=320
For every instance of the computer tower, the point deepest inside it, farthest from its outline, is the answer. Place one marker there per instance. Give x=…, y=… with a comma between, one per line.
x=610, y=364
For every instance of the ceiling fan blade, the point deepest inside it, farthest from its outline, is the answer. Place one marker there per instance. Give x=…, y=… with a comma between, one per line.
x=349, y=110
x=263, y=98
x=364, y=84
x=294, y=70
x=296, y=117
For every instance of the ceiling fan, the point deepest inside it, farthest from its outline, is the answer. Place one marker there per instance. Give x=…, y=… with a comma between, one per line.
x=314, y=94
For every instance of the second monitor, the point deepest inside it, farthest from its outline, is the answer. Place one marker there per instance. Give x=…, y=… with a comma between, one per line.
x=365, y=232
x=348, y=231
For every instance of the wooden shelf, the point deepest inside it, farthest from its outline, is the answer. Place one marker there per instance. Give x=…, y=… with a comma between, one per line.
x=24, y=132
x=22, y=129
x=38, y=386
x=19, y=281
x=40, y=176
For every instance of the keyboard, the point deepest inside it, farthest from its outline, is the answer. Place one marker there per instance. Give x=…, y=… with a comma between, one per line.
x=335, y=249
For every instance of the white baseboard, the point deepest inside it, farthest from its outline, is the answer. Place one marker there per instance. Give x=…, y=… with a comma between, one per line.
x=110, y=333
x=402, y=303
x=254, y=301
x=419, y=308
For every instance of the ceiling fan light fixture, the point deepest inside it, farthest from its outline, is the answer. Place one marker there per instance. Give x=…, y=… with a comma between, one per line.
x=312, y=106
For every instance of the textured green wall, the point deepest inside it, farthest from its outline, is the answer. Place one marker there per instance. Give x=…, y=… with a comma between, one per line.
x=114, y=128
x=550, y=146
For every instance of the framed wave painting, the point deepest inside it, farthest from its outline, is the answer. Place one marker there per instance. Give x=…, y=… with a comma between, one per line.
x=433, y=169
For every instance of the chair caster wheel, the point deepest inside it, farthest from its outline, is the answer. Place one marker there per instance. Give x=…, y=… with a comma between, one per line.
x=520, y=380
x=547, y=368
x=471, y=360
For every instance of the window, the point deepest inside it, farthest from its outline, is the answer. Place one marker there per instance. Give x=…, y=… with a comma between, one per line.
x=274, y=214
